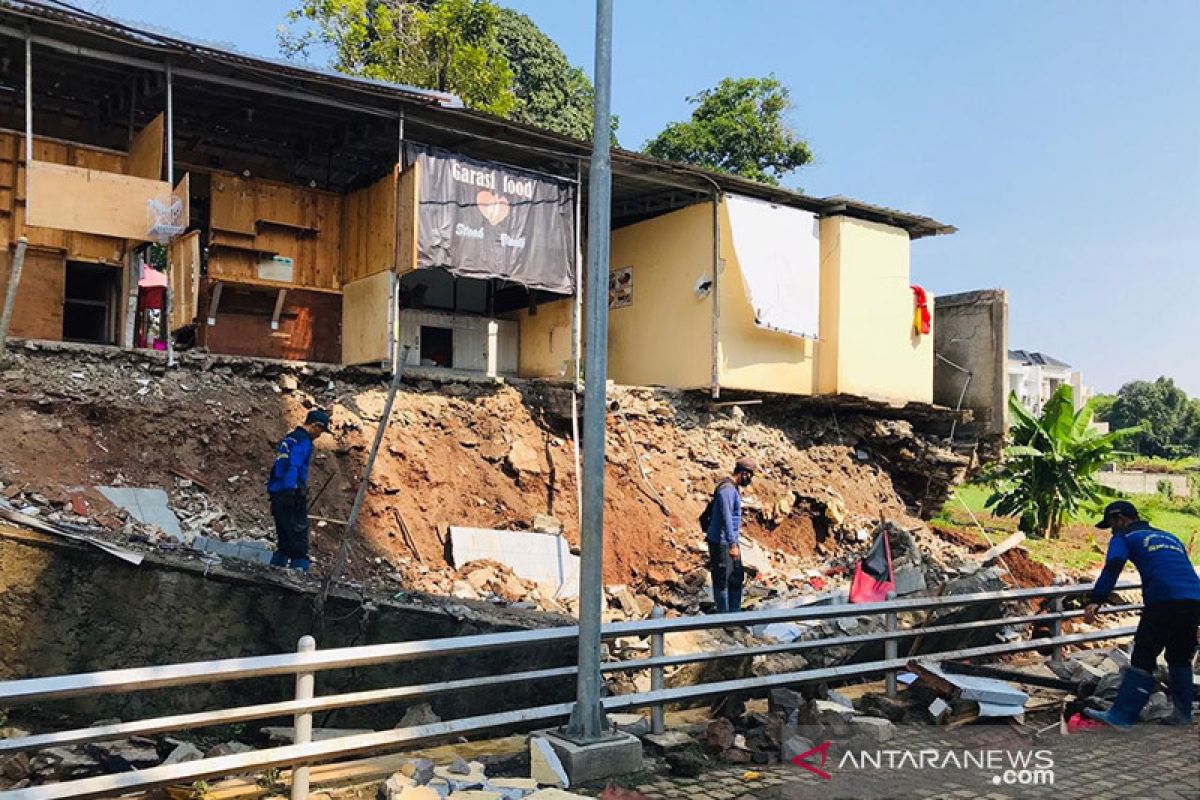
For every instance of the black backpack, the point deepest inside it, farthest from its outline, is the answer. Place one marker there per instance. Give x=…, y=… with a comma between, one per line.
x=707, y=513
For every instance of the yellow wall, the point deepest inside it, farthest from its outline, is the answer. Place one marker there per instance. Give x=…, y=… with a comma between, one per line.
x=545, y=340
x=867, y=344
x=754, y=358
x=665, y=337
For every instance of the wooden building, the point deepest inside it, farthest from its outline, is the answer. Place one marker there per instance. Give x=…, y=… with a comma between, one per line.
x=299, y=205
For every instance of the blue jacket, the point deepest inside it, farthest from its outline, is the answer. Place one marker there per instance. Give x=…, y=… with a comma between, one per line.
x=290, y=470
x=1161, y=561
x=726, y=521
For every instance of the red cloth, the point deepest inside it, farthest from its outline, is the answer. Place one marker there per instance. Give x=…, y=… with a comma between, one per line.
x=873, y=576
x=921, y=316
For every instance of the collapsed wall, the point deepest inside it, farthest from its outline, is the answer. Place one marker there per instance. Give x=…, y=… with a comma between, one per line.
x=483, y=455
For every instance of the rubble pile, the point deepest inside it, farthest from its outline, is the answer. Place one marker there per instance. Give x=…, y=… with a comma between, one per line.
x=83, y=418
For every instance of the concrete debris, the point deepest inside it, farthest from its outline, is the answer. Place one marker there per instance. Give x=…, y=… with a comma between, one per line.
x=420, y=714
x=147, y=506
x=539, y=557
x=182, y=753
x=545, y=766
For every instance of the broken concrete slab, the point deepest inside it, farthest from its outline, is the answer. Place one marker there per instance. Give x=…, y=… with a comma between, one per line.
x=252, y=550
x=539, y=557
x=284, y=735
x=555, y=794
x=147, y=506
x=183, y=753
x=545, y=767
x=667, y=742
x=512, y=788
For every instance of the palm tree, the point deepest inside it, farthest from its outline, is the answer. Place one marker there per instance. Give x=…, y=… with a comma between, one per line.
x=1046, y=474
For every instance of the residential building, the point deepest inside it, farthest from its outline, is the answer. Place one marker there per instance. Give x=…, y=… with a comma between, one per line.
x=1035, y=377
x=318, y=216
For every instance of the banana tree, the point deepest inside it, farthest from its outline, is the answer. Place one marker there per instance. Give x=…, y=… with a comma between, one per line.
x=1046, y=474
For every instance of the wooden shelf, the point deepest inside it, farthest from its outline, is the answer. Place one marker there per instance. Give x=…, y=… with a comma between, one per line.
x=259, y=283
x=306, y=230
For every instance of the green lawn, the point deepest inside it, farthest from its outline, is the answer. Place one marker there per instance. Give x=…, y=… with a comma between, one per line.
x=1081, y=546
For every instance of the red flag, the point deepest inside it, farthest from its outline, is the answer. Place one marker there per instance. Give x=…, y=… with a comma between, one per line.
x=873, y=576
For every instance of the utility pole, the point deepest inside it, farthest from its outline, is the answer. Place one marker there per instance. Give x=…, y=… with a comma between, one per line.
x=588, y=722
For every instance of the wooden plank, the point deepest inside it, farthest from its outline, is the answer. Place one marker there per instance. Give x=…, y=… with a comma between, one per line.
x=366, y=313
x=233, y=205
x=183, y=193
x=185, y=278
x=408, y=206
x=38, y=312
x=46, y=238
x=90, y=201
x=146, y=151
x=328, y=249
x=369, y=229
x=96, y=249
x=102, y=160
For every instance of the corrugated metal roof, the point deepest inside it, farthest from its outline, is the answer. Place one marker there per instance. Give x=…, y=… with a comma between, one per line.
x=628, y=165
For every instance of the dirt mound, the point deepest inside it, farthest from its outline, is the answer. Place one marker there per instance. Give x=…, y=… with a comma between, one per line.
x=479, y=455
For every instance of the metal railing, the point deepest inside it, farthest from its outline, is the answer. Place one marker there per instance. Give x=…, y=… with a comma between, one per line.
x=308, y=661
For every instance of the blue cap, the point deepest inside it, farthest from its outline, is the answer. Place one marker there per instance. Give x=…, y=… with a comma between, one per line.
x=318, y=416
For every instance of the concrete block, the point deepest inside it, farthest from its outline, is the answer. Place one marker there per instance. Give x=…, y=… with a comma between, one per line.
x=616, y=754
x=667, y=742
x=794, y=746
x=909, y=580
x=871, y=730
x=539, y=557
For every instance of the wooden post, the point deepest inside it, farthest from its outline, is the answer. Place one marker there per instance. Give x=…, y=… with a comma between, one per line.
x=10, y=297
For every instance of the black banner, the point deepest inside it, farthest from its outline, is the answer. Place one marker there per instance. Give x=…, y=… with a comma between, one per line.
x=478, y=219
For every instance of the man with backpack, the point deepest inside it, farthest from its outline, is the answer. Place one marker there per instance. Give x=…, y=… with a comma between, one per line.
x=722, y=523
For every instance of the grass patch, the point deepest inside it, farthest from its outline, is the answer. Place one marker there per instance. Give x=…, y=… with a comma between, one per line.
x=1081, y=545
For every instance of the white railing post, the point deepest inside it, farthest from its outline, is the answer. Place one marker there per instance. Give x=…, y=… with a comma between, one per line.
x=890, y=646
x=657, y=650
x=302, y=732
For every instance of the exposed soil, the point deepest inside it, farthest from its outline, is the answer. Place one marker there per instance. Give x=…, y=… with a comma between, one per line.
x=480, y=455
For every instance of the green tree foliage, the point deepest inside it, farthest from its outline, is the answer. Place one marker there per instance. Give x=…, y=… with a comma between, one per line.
x=1046, y=475
x=737, y=127
x=550, y=92
x=495, y=59
x=1169, y=420
x=449, y=45
x=1102, y=406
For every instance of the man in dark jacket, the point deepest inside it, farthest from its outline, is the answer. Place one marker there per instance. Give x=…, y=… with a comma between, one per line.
x=1170, y=617
x=722, y=536
x=288, y=489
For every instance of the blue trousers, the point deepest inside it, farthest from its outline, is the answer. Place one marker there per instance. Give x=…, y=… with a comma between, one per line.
x=290, y=510
x=727, y=577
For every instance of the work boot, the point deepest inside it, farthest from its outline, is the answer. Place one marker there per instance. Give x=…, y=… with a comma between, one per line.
x=1135, y=690
x=1183, y=695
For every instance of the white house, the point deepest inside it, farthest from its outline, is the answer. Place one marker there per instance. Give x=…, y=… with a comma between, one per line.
x=1036, y=376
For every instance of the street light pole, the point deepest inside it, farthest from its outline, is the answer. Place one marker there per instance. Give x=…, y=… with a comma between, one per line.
x=587, y=721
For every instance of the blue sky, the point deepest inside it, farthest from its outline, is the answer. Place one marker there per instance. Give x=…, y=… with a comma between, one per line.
x=1062, y=137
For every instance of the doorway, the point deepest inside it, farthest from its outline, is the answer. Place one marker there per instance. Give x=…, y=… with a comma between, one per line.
x=90, y=303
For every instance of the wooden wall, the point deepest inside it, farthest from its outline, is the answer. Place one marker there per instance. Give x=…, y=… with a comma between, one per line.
x=369, y=229
x=38, y=313
x=309, y=328
x=75, y=246
x=252, y=220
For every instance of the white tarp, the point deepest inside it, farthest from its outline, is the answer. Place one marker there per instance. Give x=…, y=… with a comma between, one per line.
x=778, y=248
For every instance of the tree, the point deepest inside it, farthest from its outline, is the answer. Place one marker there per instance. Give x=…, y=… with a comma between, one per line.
x=1169, y=420
x=1046, y=475
x=495, y=59
x=1102, y=406
x=737, y=127
x=550, y=93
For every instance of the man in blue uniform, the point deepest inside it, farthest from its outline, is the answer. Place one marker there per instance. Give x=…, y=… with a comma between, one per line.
x=1171, y=596
x=288, y=489
x=722, y=535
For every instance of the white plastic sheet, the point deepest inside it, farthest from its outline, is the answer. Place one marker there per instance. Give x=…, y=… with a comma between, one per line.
x=779, y=250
